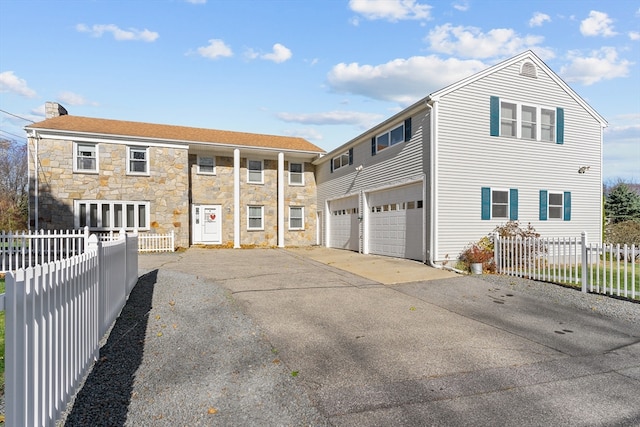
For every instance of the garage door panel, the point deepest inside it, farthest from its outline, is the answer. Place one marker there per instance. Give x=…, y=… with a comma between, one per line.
x=395, y=222
x=344, y=224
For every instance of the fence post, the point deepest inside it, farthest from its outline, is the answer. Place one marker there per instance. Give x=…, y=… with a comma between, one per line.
x=496, y=250
x=583, y=244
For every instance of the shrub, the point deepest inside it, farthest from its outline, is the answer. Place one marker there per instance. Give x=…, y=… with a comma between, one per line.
x=479, y=252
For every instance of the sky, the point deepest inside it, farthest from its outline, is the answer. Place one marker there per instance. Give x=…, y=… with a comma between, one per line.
x=323, y=70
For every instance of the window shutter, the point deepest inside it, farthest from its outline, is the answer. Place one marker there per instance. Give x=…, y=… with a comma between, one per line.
x=567, y=206
x=331, y=163
x=495, y=116
x=407, y=129
x=351, y=156
x=373, y=146
x=513, y=204
x=486, y=203
x=543, y=205
x=560, y=125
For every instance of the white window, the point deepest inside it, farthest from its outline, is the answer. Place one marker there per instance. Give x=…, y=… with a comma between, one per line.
x=138, y=163
x=296, y=218
x=499, y=203
x=390, y=138
x=527, y=121
x=255, y=171
x=556, y=206
x=548, y=125
x=206, y=165
x=85, y=157
x=296, y=173
x=341, y=161
x=101, y=215
x=255, y=217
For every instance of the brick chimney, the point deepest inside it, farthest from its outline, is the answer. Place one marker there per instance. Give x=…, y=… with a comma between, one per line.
x=53, y=109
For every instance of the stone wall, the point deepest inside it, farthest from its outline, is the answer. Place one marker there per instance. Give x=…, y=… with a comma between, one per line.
x=166, y=188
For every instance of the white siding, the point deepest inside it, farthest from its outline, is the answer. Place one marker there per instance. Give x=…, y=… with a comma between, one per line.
x=469, y=158
x=395, y=165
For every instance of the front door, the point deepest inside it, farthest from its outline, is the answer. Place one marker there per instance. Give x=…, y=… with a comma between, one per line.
x=207, y=224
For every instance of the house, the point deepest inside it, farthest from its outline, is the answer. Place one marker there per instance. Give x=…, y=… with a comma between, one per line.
x=209, y=186
x=513, y=142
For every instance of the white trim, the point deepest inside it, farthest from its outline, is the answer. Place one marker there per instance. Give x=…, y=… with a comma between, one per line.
x=261, y=171
x=110, y=223
x=75, y=158
x=296, y=184
x=261, y=228
x=519, y=105
x=301, y=217
x=280, y=200
x=236, y=198
x=504, y=190
x=146, y=159
x=200, y=172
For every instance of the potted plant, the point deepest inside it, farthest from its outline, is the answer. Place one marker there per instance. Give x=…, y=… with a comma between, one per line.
x=478, y=255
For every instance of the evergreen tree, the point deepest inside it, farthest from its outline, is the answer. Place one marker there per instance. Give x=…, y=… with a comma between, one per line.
x=622, y=204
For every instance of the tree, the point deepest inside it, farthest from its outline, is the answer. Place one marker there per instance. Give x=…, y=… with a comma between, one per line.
x=14, y=195
x=622, y=204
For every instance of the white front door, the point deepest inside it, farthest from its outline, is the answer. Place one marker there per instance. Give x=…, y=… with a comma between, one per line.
x=207, y=223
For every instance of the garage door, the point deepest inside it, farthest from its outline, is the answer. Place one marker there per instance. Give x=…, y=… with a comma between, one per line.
x=344, y=225
x=395, y=222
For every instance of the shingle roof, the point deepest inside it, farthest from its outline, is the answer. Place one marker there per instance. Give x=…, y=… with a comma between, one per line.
x=122, y=128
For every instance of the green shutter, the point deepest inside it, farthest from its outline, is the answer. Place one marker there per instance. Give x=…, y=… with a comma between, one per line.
x=560, y=125
x=513, y=204
x=350, y=156
x=543, y=205
x=373, y=146
x=495, y=116
x=486, y=203
x=567, y=206
x=407, y=129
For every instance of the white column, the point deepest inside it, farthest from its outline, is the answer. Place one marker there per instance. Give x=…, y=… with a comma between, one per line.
x=281, y=200
x=236, y=198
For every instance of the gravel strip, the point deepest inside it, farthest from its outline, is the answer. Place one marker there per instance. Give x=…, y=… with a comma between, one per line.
x=183, y=354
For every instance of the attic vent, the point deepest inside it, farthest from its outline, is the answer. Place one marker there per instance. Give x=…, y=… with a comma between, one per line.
x=529, y=70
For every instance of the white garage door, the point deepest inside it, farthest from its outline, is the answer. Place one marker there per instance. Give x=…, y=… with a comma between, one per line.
x=344, y=224
x=395, y=222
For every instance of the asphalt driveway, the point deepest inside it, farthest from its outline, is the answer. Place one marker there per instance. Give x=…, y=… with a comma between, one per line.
x=436, y=350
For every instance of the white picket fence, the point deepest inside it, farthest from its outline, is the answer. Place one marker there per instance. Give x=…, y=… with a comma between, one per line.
x=56, y=314
x=27, y=249
x=598, y=268
x=148, y=242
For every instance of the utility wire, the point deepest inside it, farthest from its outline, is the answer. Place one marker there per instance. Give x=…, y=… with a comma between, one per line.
x=12, y=134
x=16, y=116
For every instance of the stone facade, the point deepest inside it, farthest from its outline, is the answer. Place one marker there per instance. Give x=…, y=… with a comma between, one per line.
x=217, y=189
x=166, y=187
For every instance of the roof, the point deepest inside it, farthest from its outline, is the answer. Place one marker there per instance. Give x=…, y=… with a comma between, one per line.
x=120, y=128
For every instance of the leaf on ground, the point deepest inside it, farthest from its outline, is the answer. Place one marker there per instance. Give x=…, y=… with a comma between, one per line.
x=276, y=361
x=294, y=373
x=1, y=418
x=158, y=317
x=159, y=334
x=412, y=308
x=172, y=303
x=212, y=411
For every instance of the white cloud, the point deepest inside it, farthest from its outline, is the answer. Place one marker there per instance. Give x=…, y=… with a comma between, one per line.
x=402, y=80
x=538, y=19
x=634, y=35
x=280, y=54
x=462, y=6
x=597, y=24
x=70, y=98
x=9, y=82
x=471, y=42
x=216, y=49
x=364, y=120
x=602, y=64
x=118, y=33
x=306, y=133
x=622, y=152
x=391, y=10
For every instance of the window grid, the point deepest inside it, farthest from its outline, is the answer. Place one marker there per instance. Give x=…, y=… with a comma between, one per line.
x=527, y=121
x=255, y=171
x=86, y=157
x=296, y=218
x=390, y=138
x=138, y=161
x=102, y=215
x=206, y=165
x=255, y=217
x=296, y=174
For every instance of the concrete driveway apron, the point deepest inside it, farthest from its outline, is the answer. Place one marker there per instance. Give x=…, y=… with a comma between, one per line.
x=436, y=349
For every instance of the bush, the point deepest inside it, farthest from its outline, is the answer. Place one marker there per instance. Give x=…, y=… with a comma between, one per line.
x=626, y=232
x=479, y=252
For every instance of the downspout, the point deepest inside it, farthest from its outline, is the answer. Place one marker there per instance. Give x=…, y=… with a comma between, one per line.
x=433, y=177
x=36, y=193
